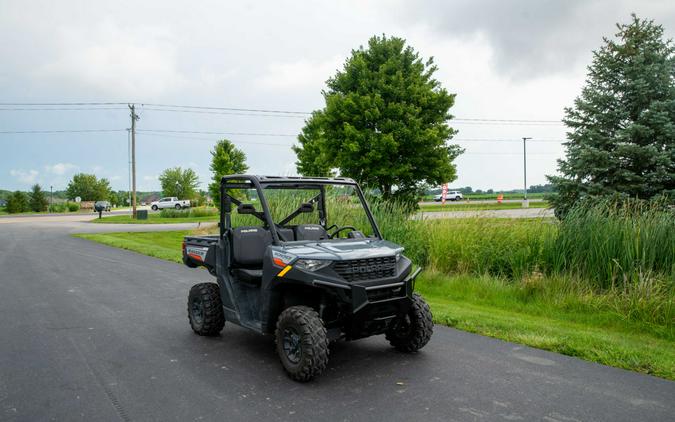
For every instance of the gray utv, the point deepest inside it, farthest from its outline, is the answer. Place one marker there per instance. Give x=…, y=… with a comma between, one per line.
x=304, y=260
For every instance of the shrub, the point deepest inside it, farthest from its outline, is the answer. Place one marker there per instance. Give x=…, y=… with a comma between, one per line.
x=59, y=207
x=17, y=202
x=73, y=206
x=172, y=213
x=203, y=212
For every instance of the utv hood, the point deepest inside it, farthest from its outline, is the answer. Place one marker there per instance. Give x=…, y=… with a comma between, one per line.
x=337, y=250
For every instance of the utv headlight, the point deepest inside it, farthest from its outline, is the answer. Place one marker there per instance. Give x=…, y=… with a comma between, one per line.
x=399, y=253
x=311, y=264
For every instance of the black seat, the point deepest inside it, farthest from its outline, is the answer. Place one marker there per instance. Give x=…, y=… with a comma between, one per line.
x=310, y=232
x=248, y=248
x=288, y=234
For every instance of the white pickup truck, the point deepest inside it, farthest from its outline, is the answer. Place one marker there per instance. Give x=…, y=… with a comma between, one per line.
x=170, y=202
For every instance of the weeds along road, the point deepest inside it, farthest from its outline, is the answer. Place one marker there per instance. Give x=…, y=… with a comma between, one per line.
x=94, y=333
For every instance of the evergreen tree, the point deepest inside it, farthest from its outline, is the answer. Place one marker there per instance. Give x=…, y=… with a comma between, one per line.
x=17, y=202
x=622, y=126
x=38, y=201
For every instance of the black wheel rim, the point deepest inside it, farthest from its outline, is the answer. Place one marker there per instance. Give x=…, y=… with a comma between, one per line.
x=403, y=327
x=197, y=310
x=291, y=345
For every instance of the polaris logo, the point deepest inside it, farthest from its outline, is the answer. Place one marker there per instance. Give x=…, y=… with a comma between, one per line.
x=312, y=228
x=368, y=268
x=249, y=231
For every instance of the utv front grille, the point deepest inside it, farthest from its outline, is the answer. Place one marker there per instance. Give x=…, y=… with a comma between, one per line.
x=366, y=269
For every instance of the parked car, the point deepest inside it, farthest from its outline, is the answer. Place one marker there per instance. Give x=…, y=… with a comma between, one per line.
x=170, y=202
x=101, y=206
x=450, y=196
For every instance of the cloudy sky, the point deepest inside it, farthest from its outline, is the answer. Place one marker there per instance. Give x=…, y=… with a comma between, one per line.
x=505, y=60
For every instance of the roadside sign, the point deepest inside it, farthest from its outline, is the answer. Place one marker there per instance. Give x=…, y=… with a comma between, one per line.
x=444, y=193
x=78, y=199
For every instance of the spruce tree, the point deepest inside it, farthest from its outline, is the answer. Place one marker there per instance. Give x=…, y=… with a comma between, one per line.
x=38, y=201
x=622, y=126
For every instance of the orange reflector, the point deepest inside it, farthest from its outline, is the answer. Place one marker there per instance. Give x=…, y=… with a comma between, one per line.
x=284, y=271
x=279, y=262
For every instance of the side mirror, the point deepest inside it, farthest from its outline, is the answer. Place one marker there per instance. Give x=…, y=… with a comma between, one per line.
x=306, y=207
x=246, y=209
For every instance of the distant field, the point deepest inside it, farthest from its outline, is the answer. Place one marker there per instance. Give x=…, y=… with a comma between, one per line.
x=462, y=206
x=494, y=196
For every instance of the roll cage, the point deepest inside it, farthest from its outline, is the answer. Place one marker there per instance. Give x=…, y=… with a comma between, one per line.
x=260, y=183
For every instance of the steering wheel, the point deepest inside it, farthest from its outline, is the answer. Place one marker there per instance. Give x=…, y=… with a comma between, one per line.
x=339, y=229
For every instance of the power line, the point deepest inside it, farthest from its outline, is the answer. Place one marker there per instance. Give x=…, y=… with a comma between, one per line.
x=262, y=112
x=19, y=132
x=62, y=109
x=201, y=132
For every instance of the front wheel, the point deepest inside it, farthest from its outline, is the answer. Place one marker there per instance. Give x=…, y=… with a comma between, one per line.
x=177, y=206
x=302, y=343
x=205, y=309
x=412, y=331
x=155, y=208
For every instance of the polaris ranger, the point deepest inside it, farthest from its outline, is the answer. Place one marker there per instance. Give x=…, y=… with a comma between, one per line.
x=304, y=260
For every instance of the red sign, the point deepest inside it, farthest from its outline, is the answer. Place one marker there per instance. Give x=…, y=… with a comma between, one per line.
x=444, y=193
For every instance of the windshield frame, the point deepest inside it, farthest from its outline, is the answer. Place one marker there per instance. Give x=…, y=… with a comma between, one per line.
x=254, y=182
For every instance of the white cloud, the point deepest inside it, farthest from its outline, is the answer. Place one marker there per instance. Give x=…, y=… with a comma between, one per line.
x=26, y=177
x=133, y=62
x=150, y=178
x=61, y=168
x=300, y=73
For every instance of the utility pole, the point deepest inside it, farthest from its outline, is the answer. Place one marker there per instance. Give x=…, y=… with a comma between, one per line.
x=129, y=167
x=51, y=198
x=134, y=117
x=525, y=203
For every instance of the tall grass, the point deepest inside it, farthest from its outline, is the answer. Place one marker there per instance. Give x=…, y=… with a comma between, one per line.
x=621, y=254
x=615, y=244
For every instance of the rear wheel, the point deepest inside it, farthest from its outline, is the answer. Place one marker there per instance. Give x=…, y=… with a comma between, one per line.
x=301, y=342
x=413, y=331
x=205, y=309
x=177, y=206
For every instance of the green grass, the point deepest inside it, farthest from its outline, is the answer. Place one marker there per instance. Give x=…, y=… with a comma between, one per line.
x=153, y=218
x=463, y=206
x=164, y=245
x=574, y=323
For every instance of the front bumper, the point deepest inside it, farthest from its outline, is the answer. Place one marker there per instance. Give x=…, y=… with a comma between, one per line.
x=373, y=307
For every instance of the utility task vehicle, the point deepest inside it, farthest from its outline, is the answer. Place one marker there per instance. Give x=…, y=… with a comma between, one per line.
x=303, y=259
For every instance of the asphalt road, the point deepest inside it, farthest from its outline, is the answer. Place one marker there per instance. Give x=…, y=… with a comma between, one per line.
x=94, y=333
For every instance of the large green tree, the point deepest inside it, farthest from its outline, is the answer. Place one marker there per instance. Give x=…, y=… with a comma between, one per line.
x=17, y=202
x=180, y=183
x=88, y=187
x=38, y=202
x=225, y=159
x=622, y=126
x=385, y=122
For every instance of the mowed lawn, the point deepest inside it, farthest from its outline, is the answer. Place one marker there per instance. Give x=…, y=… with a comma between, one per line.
x=535, y=313
x=154, y=218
